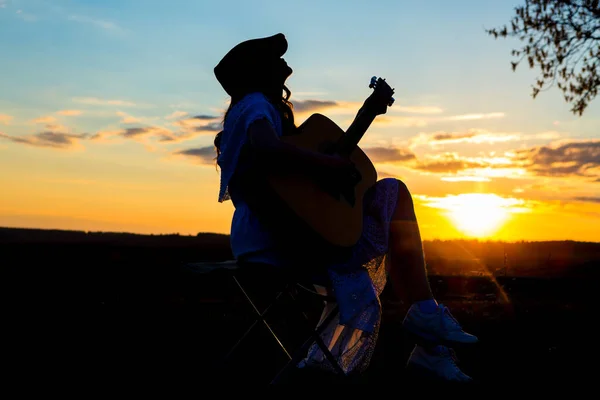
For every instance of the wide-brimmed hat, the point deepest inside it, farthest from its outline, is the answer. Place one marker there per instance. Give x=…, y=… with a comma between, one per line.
x=247, y=62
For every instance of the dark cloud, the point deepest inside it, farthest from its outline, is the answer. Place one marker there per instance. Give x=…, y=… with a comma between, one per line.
x=388, y=154
x=204, y=117
x=132, y=132
x=588, y=199
x=453, y=135
x=446, y=165
x=212, y=127
x=312, y=105
x=159, y=133
x=567, y=159
x=205, y=155
x=14, y=139
x=190, y=125
x=57, y=140
x=162, y=134
x=166, y=138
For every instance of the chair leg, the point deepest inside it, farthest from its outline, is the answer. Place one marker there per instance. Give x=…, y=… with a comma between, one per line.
x=259, y=317
x=301, y=352
x=315, y=336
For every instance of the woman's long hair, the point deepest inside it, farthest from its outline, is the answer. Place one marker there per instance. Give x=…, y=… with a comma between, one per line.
x=283, y=105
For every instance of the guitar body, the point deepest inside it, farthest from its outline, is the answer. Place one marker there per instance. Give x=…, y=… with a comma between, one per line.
x=334, y=219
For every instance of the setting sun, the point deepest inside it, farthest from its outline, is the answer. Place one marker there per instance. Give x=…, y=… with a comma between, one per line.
x=478, y=215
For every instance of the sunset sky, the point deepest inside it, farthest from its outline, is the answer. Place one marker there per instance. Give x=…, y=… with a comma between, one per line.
x=108, y=110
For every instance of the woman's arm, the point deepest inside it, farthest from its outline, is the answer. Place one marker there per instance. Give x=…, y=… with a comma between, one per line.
x=276, y=154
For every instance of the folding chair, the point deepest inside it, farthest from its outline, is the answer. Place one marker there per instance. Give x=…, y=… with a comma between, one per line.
x=287, y=293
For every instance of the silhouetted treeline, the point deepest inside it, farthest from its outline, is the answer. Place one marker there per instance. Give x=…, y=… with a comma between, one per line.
x=28, y=235
x=119, y=305
x=444, y=257
x=543, y=258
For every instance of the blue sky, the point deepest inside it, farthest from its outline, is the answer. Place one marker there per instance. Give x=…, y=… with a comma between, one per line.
x=105, y=91
x=162, y=53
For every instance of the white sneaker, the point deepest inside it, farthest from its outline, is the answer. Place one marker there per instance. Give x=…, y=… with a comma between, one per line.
x=439, y=327
x=440, y=364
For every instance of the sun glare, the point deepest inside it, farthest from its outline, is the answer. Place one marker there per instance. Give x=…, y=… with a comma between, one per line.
x=478, y=215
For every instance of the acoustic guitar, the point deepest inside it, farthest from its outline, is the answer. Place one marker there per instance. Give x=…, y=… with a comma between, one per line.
x=336, y=216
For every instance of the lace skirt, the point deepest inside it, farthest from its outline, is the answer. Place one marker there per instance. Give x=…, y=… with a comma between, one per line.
x=353, y=342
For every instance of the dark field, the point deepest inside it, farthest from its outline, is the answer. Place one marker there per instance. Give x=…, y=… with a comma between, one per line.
x=106, y=307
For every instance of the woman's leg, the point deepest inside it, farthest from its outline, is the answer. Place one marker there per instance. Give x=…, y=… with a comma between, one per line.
x=408, y=276
x=407, y=270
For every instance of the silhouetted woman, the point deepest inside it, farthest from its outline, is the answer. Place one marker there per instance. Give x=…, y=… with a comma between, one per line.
x=254, y=73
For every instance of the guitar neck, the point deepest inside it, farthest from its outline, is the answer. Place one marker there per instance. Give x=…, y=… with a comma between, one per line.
x=348, y=142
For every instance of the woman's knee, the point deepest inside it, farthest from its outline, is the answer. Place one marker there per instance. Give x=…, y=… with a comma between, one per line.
x=403, y=192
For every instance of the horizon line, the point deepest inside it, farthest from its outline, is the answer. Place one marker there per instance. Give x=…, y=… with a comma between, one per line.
x=227, y=234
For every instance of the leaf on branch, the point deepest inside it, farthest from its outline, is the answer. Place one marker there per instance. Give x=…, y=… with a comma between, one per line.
x=561, y=38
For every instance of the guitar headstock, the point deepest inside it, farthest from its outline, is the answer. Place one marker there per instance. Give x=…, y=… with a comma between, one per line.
x=381, y=98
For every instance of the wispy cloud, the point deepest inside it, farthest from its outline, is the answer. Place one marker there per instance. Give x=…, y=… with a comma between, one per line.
x=446, y=163
x=573, y=159
x=61, y=13
x=69, y=113
x=448, y=136
x=471, y=168
x=198, y=125
x=418, y=109
x=476, y=136
x=349, y=107
x=53, y=135
x=465, y=178
x=103, y=102
x=202, y=155
x=177, y=115
x=562, y=159
x=137, y=133
x=52, y=139
x=127, y=119
x=588, y=199
x=308, y=94
x=106, y=135
x=401, y=121
x=204, y=117
x=396, y=115
x=48, y=119
x=28, y=17
x=99, y=23
x=392, y=118
x=549, y=135
x=388, y=154
x=475, y=116
x=5, y=119
x=313, y=105
x=176, y=131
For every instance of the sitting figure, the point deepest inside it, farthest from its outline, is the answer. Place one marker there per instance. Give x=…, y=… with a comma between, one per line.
x=389, y=250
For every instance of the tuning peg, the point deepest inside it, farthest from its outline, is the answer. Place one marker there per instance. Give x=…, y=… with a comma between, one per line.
x=373, y=82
